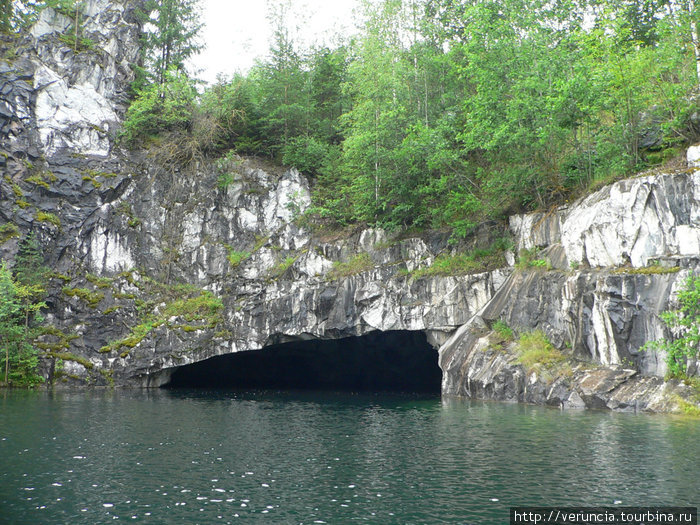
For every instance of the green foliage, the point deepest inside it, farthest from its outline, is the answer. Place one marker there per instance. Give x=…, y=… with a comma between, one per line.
x=444, y=265
x=8, y=231
x=42, y=216
x=504, y=331
x=527, y=260
x=278, y=270
x=362, y=262
x=685, y=321
x=535, y=351
x=479, y=260
x=687, y=407
x=92, y=298
x=228, y=167
x=138, y=333
x=21, y=301
x=445, y=114
x=162, y=107
x=18, y=15
x=125, y=209
x=171, y=42
x=67, y=356
x=181, y=301
x=38, y=180
x=79, y=45
x=235, y=258
x=99, y=282
x=205, y=305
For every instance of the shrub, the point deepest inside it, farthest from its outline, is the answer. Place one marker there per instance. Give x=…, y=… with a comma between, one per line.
x=526, y=259
x=685, y=321
x=48, y=217
x=535, y=350
x=504, y=331
x=307, y=154
x=161, y=108
x=283, y=266
x=444, y=265
x=235, y=258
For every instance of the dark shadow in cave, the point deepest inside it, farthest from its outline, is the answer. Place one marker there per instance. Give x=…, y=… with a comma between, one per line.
x=399, y=361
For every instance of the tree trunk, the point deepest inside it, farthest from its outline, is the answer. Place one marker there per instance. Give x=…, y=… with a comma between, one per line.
x=694, y=38
x=77, y=21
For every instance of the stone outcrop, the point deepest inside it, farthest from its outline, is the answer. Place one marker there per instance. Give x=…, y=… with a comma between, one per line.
x=631, y=222
x=157, y=265
x=612, y=262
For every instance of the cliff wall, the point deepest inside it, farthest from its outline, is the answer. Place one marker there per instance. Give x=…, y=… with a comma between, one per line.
x=158, y=265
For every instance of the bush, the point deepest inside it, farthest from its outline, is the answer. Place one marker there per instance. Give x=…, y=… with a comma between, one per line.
x=686, y=322
x=161, y=108
x=504, y=331
x=535, y=350
x=307, y=154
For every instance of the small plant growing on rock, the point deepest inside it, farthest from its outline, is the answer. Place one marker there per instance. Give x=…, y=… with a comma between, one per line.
x=283, y=266
x=536, y=350
x=527, y=259
x=8, y=231
x=686, y=322
x=48, y=217
x=537, y=354
x=90, y=297
x=361, y=262
x=235, y=258
x=504, y=331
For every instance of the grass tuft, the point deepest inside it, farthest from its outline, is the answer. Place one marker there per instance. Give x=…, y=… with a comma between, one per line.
x=361, y=262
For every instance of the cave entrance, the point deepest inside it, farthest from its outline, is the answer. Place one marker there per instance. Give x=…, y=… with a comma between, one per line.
x=399, y=361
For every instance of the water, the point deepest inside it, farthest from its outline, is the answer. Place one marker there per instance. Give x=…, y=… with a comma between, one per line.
x=264, y=457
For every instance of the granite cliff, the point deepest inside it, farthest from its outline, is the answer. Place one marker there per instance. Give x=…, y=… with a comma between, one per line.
x=159, y=265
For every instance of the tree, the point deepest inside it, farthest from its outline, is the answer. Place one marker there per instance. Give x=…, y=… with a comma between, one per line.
x=161, y=108
x=169, y=39
x=10, y=316
x=19, y=312
x=7, y=13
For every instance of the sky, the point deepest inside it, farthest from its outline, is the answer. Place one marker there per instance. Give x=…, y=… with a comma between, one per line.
x=236, y=32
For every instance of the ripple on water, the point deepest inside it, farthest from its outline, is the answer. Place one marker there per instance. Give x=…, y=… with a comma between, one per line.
x=462, y=461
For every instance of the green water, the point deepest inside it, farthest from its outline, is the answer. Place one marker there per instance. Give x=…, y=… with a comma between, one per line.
x=262, y=457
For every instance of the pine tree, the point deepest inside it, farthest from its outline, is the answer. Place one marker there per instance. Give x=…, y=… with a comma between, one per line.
x=169, y=39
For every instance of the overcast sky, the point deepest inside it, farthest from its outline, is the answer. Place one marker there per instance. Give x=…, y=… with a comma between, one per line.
x=236, y=32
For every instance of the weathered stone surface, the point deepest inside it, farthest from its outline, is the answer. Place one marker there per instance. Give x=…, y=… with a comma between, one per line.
x=630, y=222
x=475, y=365
x=60, y=98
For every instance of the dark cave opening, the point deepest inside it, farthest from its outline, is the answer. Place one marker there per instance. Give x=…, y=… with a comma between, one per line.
x=396, y=361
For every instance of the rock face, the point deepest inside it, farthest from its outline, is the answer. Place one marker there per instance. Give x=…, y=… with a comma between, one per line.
x=158, y=265
x=630, y=223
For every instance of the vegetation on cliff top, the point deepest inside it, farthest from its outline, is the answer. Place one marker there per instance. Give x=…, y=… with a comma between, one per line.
x=442, y=113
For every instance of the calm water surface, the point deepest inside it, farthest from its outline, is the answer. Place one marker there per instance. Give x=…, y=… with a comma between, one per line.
x=266, y=457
